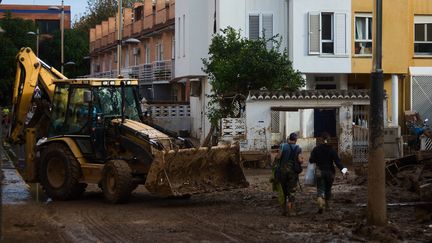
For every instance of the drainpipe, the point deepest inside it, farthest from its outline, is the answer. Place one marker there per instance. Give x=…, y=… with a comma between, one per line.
x=395, y=99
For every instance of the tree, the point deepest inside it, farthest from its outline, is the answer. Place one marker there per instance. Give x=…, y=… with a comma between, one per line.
x=237, y=65
x=14, y=37
x=76, y=47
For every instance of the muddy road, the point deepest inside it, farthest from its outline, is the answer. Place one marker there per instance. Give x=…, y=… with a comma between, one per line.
x=244, y=215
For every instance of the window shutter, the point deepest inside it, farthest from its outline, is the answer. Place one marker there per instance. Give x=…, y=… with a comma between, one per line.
x=340, y=34
x=254, y=27
x=314, y=33
x=267, y=23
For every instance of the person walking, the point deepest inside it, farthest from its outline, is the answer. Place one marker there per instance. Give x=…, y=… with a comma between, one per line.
x=287, y=172
x=324, y=156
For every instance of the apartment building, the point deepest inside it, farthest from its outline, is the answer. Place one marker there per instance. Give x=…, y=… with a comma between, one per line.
x=151, y=60
x=46, y=19
x=197, y=21
x=330, y=42
x=319, y=34
x=407, y=54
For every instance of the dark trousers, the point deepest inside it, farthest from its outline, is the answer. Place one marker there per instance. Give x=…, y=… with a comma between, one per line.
x=324, y=183
x=288, y=182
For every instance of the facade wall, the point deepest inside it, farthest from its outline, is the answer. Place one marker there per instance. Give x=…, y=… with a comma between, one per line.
x=299, y=12
x=150, y=60
x=192, y=35
x=36, y=12
x=398, y=49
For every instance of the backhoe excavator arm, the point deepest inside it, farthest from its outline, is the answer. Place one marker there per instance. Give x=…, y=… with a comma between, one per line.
x=31, y=73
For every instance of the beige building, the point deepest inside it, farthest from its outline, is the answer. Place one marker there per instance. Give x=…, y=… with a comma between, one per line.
x=151, y=60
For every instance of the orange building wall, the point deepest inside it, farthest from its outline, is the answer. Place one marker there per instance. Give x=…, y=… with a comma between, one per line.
x=36, y=12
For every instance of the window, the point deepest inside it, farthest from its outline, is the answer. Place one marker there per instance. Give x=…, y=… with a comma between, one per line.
x=147, y=54
x=159, y=51
x=423, y=35
x=327, y=33
x=327, y=43
x=363, y=34
x=261, y=25
x=138, y=13
x=184, y=35
x=48, y=26
x=173, y=47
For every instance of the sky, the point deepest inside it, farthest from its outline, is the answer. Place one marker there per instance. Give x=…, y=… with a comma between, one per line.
x=78, y=7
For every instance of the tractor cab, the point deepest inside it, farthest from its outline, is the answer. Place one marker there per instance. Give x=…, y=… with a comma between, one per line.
x=84, y=108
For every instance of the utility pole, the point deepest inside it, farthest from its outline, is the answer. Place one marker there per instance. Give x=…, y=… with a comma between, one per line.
x=377, y=206
x=119, y=36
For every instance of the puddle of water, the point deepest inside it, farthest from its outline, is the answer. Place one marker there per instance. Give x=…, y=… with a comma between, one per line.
x=14, y=189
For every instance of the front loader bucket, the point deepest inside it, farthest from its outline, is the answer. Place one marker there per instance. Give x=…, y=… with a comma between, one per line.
x=190, y=171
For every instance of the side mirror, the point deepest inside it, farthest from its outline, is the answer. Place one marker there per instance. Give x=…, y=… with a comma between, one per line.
x=87, y=96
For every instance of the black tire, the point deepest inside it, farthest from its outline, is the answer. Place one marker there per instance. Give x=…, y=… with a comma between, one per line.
x=117, y=181
x=60, y=173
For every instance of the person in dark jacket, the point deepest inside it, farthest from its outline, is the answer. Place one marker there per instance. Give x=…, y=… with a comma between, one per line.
x=289, y=153
x=325, y=157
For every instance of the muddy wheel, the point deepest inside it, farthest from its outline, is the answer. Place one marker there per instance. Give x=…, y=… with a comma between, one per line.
x=60, y=172
x=117, y=181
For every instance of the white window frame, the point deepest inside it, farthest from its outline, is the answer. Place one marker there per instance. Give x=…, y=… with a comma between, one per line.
x=339, y=34
x=331, y=40
x=367, y=39
x=426, y=20
x=260, y=25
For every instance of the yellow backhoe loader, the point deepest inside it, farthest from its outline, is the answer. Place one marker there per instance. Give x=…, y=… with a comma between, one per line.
x=84, y=131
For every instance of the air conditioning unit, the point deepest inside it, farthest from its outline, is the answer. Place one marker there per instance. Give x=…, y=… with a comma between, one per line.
x=136, y=51
x=195, y=88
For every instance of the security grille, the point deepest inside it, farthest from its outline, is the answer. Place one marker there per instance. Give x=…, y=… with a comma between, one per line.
x=421, y=98
x=360, y=134
x=275, y=119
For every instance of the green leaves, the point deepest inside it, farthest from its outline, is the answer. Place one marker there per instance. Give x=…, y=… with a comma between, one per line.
x=14, y=37
x=237, y=65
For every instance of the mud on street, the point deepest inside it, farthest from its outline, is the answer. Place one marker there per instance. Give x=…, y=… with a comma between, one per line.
x=243, y=215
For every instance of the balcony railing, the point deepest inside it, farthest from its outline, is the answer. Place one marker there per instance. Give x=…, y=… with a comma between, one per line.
x=158, y=71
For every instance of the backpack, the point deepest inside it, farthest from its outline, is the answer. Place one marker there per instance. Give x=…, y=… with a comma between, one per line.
x=292, y=159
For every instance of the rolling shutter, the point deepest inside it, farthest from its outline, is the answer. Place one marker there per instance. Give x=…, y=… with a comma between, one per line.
x=314, y=33
x=254, y=27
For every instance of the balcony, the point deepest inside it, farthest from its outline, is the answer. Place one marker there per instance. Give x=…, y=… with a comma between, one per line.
x=171, y=10
x=137, y=26
x=127, y=30
x=156, y=72
x=162, y=70
x=149, y=21
x=161, y=16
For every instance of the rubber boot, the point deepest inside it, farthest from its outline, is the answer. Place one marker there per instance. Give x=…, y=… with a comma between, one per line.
x=291, y=209
x=284, y=209
x=327, y=205
x=321, y=204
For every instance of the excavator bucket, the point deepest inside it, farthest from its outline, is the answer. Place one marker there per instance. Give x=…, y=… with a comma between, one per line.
x=190, y=171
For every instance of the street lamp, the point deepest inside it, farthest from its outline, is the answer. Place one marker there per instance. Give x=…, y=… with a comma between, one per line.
x=61, y=31
x=37, y=40
x=120, y=40
x=119, y=36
